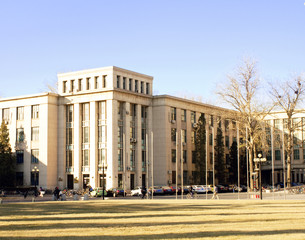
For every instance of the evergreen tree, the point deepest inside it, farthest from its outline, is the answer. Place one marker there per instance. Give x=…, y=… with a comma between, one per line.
x=7, y=160
x=219, y=156
x=233, y=163
x=200, y=153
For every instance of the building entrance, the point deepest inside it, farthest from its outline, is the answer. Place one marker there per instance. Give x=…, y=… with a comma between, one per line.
x=86, y=180
x=70, y=181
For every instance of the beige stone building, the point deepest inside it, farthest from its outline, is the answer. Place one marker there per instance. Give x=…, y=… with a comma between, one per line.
x=105, y=125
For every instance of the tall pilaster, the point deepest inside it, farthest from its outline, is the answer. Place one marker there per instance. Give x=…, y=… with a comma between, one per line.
x=138, y=161
x=77, y=147
x=61, y=154
x=93, y=145
x=126, y=117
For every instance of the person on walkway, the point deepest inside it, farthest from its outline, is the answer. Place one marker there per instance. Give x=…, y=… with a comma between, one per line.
x=143, y=192
x=56, y=193
x=215, y=195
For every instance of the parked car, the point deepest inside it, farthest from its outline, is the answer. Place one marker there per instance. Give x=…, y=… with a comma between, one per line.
x=168, y=190
x=114, y=192
x=186, y=189
x=137, y=191
x=221, y=188
x=200, y=189
x=157, y=190
x=98, y=192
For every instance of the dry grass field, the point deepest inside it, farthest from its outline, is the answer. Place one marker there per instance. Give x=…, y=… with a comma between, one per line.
x=153, y=219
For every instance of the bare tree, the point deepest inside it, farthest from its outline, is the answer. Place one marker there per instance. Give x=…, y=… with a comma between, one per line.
x=241, y=92
x=288, y=96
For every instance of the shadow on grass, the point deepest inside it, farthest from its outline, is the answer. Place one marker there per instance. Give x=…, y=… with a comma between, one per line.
x=190, y=235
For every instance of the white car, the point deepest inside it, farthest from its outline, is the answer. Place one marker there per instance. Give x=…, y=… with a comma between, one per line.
x=199, y=189
x=137, y=191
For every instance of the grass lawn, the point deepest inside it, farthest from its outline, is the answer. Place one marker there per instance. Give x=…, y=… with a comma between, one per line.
x=154, y=219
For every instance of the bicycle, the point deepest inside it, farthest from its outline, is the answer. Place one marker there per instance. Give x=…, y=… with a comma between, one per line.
x=192, y=196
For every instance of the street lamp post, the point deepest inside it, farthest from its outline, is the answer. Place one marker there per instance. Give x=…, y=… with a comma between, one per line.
x=35, y=171
x=259, y=160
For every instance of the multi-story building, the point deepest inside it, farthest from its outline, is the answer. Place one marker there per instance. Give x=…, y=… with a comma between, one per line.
x=104, y=125
x=276, y=129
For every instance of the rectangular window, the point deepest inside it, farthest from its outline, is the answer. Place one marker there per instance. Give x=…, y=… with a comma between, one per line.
x=104, y=81
x=147, y=88
x=118, y=81
x=80, y=84
x=193, y=156
x=278, y=124
x=173, y=114
x=211, y=120
x=86, y=158
x=173, y=134
x=227, y=125
x=193, y=137
x=19, y=156
x=227, y=141
x=69, y=116
x=34, y=155
x=35, y=111
x=218, y=119
x=184, y=156
x=87, y=83
x=96, y=85
x=20, y=113
x=211, y=139
x=183, y=137
x=183, y=115
x=72, y=86
x=86, y=112
x=64, y=86
x=296, y=154
x=193, y=117
x=136, y=86
x=124, y=82
x=174, y=155
x=142, y=87
x=35, y=134
x=278, y=155
x=6, y=114
x=211, y=158
x=20, y=135
x=130, y=84
x=268, y=156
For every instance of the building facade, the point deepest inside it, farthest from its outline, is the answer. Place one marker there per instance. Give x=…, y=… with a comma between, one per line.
x=105, y=126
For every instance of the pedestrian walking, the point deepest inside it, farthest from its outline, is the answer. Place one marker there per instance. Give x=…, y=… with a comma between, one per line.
x=215, y=195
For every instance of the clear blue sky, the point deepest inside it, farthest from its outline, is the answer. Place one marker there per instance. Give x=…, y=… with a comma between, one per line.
x=188, y=46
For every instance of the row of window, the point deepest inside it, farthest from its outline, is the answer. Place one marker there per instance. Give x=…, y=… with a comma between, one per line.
x=193, y=118
x=20, y=134
x=85, y=84
x=34, y=156
x=278, y=155
x=34, y=179
x=132, y=85
x=20, y=113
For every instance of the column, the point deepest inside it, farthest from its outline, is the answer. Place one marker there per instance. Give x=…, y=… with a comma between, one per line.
x=77, y=147
x=149, y=144
x=112, y=144
x=61, y=154
x=138, y=160
x=126, y=151
x=93, y=145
